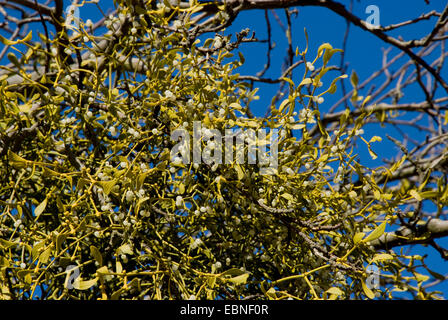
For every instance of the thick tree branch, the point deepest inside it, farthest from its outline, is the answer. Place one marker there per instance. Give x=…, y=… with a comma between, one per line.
x=433, y=229
x=35, y=6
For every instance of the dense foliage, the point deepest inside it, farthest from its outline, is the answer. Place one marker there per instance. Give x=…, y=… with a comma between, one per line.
x=87, y=179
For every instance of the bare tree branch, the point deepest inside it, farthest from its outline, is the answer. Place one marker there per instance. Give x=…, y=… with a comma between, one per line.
x=433, y=229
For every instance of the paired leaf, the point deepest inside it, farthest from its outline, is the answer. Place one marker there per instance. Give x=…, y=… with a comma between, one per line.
x=107, y=186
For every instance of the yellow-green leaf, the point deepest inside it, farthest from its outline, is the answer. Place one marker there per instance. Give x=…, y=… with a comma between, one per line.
x=421, y=277
x=288, y=80
x=125, y=249
x=323, y=47
x=375, y=234
x=45, y=255
x=232, y=272
x=336, y=291
x=416, y=195
x=25, y=275
x=354, y=79
x=5, y=244
x=239, y=171
x=118, y=267
x=381, y=257
x=271, y=293
x=297, y=126
x=358, y=237
x=50, y=173
x=16, y=160
x=305, y=81
x=211, y=281
x=287, y=196
x=107, y=186
x=235, y=106
x=283, y=105
x=36, y=249
x=102, y=270
x=8, y=42
x=40, y=208
x=96, y=254
x=60, y=240
x=84, y=285
x=397, y=164
x=116, y=295
x=372, y=153
x=369, y=293
x=241, y=279
x=429, y=194
x=375, y=139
